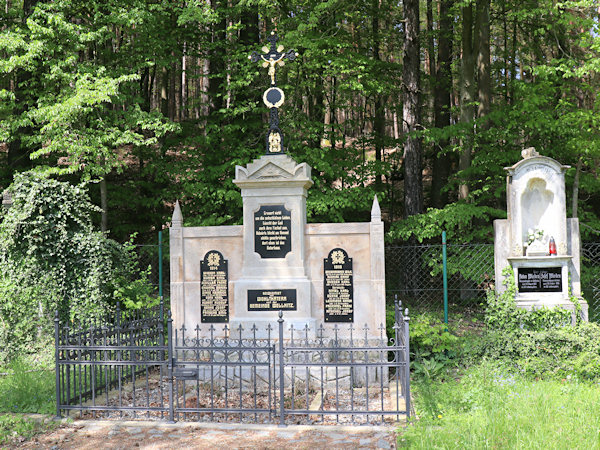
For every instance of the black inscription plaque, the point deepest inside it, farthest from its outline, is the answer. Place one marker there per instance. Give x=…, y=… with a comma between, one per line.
x=338, y=287
x=272, y=228
x=546, y=279
x=271, y=299
x=214, y=288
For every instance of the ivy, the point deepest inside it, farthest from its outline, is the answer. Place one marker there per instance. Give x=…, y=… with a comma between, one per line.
x=51, y=258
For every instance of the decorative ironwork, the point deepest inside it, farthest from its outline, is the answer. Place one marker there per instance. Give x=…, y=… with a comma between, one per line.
x=132, y=366
x=273, y=97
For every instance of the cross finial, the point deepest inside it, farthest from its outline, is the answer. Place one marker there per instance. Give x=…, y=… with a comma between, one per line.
x=273, y=97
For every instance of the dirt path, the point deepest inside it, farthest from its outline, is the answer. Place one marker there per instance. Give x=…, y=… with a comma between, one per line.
x=101, y=434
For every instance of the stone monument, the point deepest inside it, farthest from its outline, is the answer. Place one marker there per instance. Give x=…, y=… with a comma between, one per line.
x=537, y=240
x=318, y=274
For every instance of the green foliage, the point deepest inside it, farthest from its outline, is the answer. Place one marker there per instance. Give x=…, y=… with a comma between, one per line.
x=502, y=313
x=17, y=428
x=486, y=407
x=68, y=101
x=27, y=389
x=432, y=346
x=464, y=222
x=539, y=343
x=429, y=335
x=52, y=259
x=132, y=288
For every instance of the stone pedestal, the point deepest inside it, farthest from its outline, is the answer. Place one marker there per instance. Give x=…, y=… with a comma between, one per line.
x=274, y=190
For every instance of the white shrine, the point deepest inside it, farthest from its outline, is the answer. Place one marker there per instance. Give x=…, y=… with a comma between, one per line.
x=537, y=240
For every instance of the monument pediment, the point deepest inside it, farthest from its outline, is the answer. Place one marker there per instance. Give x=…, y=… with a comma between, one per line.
x=270, y=171
x=534, y=163
x=273, y=168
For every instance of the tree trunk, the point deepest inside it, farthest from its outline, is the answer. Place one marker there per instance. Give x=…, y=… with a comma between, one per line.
x=483, y=61
x=441, y=106
x=467, y=96
x=184, y=93
x=379, y=116
x=413, y=181
x=103, y=205
x=164, y=101
x=576, y=188
x=215, y=75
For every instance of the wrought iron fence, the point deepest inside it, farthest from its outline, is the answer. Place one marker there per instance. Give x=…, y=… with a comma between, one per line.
x=94, y=362
x=140, y=367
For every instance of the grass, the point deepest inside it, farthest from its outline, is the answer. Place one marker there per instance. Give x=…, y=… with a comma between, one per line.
x=486, y=408
x=17, y=428
x=26, y=388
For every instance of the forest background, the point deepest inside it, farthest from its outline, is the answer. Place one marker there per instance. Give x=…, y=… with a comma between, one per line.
x=421, y=102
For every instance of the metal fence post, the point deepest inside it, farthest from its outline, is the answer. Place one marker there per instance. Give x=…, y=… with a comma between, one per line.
x=281, y=372
x=170, y=360
x=56, y=356
x=407, y=363
x=445, y=277
x=160, y=266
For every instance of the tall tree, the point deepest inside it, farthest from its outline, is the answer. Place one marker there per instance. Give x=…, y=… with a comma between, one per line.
x=442, y=103
x=411, y=111
x=467, y=96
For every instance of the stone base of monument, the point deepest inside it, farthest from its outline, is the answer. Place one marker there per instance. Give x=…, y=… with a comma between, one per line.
x=538, y=303
x=543, y=282
x=259, y=379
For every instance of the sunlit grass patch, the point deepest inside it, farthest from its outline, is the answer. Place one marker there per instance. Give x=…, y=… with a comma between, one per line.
x=488, y=409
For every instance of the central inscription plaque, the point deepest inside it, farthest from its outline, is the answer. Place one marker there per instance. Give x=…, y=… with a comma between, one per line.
x=338, y=287
x=214, y=290
x=271, y=299
x=272, y=227
x=546, y=279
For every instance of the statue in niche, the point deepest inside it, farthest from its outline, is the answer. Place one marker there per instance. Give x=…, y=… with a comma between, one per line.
x=535, y=207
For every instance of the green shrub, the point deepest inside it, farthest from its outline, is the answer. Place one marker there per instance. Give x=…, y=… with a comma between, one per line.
x=51, y=258
x=27, y=389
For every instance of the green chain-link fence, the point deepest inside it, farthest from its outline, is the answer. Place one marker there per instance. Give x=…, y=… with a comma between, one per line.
x=156, y=256
x=414, y=273
x=590, y=277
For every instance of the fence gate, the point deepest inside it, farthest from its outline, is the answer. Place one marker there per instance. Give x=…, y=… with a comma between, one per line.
x=226, y=378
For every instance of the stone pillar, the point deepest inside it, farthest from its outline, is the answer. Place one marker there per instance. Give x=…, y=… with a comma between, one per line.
x=274, y=186
x=177, y=267
x=377, y=262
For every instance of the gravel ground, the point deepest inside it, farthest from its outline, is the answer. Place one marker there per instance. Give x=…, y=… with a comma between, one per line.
x=110, y=434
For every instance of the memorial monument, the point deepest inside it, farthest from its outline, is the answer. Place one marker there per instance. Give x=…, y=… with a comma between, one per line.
x=318, y=274
x=537, y=240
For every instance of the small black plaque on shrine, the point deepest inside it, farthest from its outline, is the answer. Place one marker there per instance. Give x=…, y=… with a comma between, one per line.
x=214, y=288
x=271, y=299
x=544, y=279
x=338, y=287
x=272, y=231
